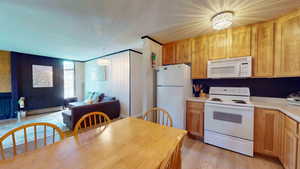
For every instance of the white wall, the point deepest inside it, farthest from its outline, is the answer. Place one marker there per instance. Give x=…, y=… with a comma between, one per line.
x=129, y=79
x=148, y=81
x=119, y=80
x=79, y=80
x=116, y=83
x=92, y=84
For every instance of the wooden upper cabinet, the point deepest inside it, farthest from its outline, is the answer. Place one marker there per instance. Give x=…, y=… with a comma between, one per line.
x=169, y=52
x=239, y=41
x=287, y=45
x=218, y=45
x=262, y=49
x=199, y=57
x=266, y=132
x=183, y=51
x=195, y=118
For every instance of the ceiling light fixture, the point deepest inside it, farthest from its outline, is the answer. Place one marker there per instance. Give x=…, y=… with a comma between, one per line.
x=103, y=62
x=222, y=20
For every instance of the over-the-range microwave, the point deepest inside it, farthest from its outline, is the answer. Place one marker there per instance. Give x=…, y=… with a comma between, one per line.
x=230, y=68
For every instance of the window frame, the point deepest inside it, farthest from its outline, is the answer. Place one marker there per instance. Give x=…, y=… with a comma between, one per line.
x=74, y=75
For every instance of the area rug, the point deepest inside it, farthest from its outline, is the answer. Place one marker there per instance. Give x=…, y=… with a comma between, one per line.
x=54, y=118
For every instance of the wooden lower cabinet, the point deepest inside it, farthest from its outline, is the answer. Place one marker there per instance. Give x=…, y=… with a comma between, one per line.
x=298, y=154
x=290, y=141
x=195, y=118
x=266, y=132
x=277, y=135
x=281, y=137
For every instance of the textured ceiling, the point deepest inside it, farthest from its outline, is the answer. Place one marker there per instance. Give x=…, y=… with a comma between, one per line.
x=85, y=29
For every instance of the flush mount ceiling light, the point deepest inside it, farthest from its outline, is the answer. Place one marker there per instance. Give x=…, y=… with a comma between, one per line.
x=222, y=20
x=103, y=62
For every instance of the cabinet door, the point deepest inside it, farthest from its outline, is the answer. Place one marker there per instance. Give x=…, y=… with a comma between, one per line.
x=298, y=162
x=290, y=144
x=239, y=41
x=266, y=132
x=199, y=57
x=263, y=49
x=5, y=72
x=281, y=137
x=218, y=45
x=287, y=54
x=195, y=118
x=183, y=51
x=169, y=51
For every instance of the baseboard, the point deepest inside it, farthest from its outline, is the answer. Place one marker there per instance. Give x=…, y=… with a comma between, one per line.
x=135, y=116
x=46, y=110
x=138, y=115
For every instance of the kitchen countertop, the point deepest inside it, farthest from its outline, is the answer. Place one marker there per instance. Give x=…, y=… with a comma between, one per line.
x=268, y=103
x=197, y=99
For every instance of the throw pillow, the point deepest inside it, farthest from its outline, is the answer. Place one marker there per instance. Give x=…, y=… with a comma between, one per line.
x=89, y=97
x=101, y=97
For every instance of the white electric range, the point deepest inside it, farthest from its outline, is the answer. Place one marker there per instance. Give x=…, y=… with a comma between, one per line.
x=229, y=119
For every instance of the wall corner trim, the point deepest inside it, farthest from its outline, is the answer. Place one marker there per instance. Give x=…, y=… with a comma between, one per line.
x=126, y=50
x=148, y=37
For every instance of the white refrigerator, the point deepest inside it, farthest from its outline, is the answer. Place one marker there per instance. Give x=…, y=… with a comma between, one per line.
x=174, y=85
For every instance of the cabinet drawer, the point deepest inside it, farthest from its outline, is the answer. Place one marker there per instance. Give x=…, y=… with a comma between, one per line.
x=195, y=105
x=194, y=111
x=290, y=125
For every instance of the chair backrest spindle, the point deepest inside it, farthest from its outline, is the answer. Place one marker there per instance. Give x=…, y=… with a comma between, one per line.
x=25, y=140
x=159, y=116
x=92, y=118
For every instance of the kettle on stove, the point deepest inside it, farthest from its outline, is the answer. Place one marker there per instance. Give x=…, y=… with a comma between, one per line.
x=294, y=98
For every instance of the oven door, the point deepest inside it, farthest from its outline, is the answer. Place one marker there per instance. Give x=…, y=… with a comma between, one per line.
x=229, y=120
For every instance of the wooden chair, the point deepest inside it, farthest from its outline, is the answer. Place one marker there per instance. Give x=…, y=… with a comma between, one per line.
x=91, y=120
x=159, y=116
x=26, y=143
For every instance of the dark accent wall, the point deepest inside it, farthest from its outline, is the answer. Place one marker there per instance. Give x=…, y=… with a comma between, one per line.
x=265, y=87
x=37, y=98
x=14, y=85
x=5, y=106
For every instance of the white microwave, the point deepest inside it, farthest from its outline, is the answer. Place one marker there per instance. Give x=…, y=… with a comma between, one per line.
x=230, y=68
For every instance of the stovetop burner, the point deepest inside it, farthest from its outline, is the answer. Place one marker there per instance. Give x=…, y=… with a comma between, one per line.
x=239, y=101
x=216, y=99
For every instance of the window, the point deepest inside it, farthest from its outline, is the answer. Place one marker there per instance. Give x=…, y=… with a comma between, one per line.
x=69, y=79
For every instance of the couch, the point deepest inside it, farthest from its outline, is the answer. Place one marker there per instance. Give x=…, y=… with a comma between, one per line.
x=110, y=107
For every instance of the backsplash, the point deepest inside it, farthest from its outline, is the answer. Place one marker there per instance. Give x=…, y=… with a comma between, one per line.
x=264, y=87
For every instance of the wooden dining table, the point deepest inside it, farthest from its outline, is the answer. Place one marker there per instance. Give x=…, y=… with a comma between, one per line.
x=124, y=144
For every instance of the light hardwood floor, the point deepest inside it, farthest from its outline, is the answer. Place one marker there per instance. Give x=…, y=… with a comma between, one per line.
x=197, y=155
